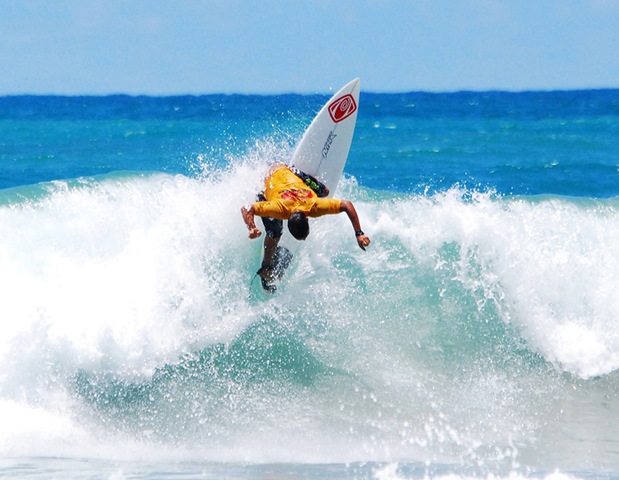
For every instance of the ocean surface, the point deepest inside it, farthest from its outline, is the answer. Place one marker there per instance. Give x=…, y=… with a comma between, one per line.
x=477, y=337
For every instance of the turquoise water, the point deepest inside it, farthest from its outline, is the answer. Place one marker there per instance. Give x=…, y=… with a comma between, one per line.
x=477, y=337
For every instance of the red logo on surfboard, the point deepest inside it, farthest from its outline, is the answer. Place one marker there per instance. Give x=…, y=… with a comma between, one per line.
x=342, y=108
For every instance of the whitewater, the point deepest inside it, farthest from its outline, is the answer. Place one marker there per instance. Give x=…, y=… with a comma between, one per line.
x=476, y=337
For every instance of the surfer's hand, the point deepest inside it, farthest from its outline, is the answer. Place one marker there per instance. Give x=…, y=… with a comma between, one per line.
x=363, y=241
x=254, y=233
x=248, y=218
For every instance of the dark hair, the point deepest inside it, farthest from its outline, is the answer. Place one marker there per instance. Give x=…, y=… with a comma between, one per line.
x=298, y=225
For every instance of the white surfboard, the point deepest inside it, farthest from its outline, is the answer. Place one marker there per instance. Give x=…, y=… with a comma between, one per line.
x=324, y=147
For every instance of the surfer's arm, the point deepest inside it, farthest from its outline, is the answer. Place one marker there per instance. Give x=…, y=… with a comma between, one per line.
x=248, y=218
x=362, y=239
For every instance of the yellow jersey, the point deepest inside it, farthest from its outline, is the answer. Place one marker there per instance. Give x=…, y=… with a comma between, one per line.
x=286, y=193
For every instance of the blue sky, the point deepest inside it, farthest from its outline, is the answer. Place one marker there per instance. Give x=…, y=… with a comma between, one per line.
x=164, y=47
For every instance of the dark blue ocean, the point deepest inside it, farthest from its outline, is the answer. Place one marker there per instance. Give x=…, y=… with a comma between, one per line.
x=478, y=336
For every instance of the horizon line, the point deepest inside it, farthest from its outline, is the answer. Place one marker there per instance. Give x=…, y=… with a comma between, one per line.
x=330, y=92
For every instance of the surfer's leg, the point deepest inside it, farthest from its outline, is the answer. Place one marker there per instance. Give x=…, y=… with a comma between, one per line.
x=320, y=189
x=273, y=228
x=270, y=247
x=267, y=272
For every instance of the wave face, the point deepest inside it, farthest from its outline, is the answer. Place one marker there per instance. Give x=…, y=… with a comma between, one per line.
x=477, y=330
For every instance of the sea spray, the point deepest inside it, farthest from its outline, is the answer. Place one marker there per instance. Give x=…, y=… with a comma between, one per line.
x=132, y=303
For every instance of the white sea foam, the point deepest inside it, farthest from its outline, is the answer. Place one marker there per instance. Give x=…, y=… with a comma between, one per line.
x=126, y=274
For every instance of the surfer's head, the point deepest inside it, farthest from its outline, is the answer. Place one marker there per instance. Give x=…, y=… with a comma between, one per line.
x=298, y=225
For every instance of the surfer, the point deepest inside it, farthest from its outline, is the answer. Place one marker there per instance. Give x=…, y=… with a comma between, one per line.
x=292, y=195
